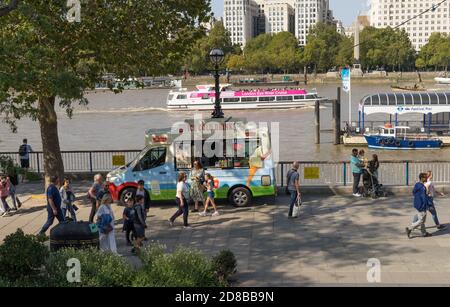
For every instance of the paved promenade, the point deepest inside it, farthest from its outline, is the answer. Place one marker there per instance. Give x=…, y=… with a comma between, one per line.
x=329, y=245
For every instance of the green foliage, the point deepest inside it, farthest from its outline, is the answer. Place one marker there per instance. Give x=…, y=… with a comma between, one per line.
x=98, y=269
x=436, y=53
x=386, y=48
x=21, y=256
x=183, y=268
x=198, y=61
x=224, y=264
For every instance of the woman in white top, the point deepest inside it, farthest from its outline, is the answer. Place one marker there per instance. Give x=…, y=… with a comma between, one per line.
x=107, y=235
x=182, y=200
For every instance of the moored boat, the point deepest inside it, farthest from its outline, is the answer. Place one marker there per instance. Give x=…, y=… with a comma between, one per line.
x=442, y=80
x=203, y=98
x=398, y=138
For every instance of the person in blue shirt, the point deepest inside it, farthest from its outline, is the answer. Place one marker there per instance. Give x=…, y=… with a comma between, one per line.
x=356, y=165
x=421, y=204
x=53, y=205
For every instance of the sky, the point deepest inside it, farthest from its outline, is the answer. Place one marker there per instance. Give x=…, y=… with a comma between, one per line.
x=345, y=10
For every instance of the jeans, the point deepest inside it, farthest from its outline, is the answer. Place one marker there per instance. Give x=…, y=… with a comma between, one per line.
x=419, y=221
x=433, y=212
x=5, y=204
x=71, y=211
x=356, y=180
x=12, y=193
x=181, y=211
x=51, y=218
x=294, y=195
x=93, y=210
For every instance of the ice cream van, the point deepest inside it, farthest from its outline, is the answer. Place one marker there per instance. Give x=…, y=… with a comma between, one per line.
x=240, y=159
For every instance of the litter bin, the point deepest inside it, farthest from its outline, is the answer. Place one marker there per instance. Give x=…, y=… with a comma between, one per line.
x=78, y=235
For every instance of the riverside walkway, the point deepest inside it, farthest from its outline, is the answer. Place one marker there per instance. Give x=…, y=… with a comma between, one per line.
x=329, y=244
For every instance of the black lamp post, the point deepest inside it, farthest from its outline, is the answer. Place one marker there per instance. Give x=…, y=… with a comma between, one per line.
x=217, y=56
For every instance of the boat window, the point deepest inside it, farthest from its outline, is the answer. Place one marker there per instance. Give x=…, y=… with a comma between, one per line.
x=434, y=98
x=231, y=99
x=383, y=100
x=375, y=100
x=299, y=97
x=205, y=96
x=409, y=100
x=153, y=158
x=266, y=98
x=310, y=96
x=400, y=100
x=391, y=99
x=425, y=99
x=284, y=98
x=416, y=99
x=249, y=99
x=442, y=98
x=182, y=97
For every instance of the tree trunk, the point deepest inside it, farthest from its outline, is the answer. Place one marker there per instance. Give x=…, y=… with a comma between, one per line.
x=48, y=122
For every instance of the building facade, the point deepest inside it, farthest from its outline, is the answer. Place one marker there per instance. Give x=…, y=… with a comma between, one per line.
x=279, y=16
x=239, y=18
x=307, y=14
x=392, y=13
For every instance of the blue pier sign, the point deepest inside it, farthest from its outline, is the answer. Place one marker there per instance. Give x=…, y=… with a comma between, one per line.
x=346, y=79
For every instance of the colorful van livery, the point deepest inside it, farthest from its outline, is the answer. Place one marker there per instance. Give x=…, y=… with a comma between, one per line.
x=244, y=170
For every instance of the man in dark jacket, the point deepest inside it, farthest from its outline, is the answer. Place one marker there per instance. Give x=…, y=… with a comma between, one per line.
x=421, y=204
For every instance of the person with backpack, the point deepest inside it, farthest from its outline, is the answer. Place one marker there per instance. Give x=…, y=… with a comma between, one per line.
x=421, y=204
x=210, y=186
x=139, y=224
x=68, y=199
x=24, y=155
x=293, y=187
x=53, y=205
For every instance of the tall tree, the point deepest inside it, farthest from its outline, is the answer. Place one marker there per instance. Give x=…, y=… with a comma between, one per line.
x=47, y=61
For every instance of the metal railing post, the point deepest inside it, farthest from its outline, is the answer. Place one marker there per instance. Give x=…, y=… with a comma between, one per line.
x=90, y=162
x=345, y=174
x=282, y=174
x=407, y=173
x=38, y=163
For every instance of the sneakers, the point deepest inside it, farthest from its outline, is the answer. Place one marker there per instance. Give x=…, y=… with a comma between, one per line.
x=170, y=223
x=440, y=227
x=203, y=213
x=427, y=235
x=187, y=227
x=357, y=195
x=216, y=213
x=408, y=232
x=194, y=210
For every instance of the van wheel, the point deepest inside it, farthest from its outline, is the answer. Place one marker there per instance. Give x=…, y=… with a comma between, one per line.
x=125, y=193
x=240, y=197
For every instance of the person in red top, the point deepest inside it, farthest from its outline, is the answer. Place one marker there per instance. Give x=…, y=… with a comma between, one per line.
x=4, y=194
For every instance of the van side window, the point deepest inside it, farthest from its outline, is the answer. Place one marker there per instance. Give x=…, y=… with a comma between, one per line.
x=153, y=158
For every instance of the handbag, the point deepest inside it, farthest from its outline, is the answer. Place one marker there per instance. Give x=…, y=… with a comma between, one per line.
x=298, y=204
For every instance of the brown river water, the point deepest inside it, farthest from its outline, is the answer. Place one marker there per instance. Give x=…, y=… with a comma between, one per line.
x=119, y=122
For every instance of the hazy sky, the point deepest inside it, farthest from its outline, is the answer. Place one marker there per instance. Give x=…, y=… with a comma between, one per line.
x=345, y=10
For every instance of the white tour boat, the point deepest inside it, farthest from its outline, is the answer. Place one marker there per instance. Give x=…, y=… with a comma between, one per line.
x=203, y=98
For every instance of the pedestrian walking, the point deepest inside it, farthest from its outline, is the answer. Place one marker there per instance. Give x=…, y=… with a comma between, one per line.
x=374, y=165
x=53, y=205
x=432, y=192
x=24, y=155
x=182, y=201
x=128, y=217
x=197, y=185
x=105, y=222
x=421, y=204
x=93, y=192
x=4, y=194
x=356, y=166
x=209, y=183
x=141, y=190
x=139, y=224
x=68, y=199
x=293, y=187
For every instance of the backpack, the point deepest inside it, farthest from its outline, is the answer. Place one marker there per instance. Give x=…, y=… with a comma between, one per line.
x=23, y=150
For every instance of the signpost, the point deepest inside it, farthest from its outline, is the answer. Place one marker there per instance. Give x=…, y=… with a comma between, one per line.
x=347, y=87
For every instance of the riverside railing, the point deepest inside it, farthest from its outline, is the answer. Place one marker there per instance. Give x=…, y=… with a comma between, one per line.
x=312, y=173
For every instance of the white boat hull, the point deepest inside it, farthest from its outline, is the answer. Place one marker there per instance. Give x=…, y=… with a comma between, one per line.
x=242, y=106
x=441, y=80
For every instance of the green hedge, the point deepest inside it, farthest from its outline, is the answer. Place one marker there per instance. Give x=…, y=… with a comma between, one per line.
x=26, y=262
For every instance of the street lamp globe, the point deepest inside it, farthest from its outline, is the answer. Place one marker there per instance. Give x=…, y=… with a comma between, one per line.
x=216, y=56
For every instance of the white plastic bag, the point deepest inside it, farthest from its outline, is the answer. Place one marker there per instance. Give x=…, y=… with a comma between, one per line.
x=298, y=204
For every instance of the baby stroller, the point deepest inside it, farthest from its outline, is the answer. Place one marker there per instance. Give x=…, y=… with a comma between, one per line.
x=371, y=186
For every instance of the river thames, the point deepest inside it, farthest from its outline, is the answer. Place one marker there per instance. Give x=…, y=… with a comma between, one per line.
x=118, y=122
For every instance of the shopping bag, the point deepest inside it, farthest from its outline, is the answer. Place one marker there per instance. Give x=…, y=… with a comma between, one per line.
x=298, y=204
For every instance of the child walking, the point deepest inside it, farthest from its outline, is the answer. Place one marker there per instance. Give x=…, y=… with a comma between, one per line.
x=209, y=182
x=128, y=218
x=139, y=223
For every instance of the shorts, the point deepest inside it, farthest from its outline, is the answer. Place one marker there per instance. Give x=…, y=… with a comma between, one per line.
x=210, y=194
x=139, y=231
x=25, y=163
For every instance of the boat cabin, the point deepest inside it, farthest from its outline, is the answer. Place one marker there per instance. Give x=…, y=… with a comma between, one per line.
x=394, y=132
